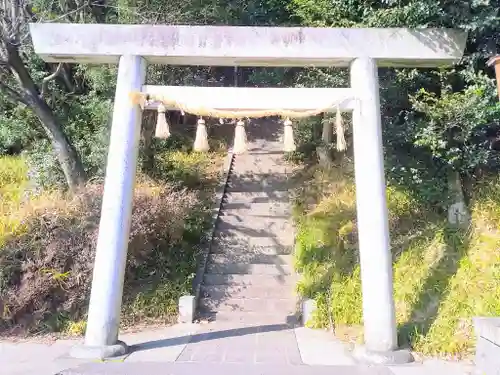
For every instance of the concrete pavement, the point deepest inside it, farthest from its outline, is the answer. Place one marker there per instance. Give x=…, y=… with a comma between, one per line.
x=215, y=348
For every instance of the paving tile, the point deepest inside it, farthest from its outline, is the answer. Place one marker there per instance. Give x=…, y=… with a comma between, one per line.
x=433, y=367
x=240, y=355
x=208, y=356
x=321, y=348
x=163, y=344
x=189, y=368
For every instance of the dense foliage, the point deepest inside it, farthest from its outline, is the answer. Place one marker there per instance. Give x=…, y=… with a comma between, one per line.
x=433, y=119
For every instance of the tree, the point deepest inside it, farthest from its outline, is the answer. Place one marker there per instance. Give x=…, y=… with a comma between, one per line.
x=18, y=85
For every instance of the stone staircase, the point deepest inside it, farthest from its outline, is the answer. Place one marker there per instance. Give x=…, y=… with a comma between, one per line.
x=249, y=276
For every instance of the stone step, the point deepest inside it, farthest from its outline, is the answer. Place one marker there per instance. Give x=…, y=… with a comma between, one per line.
x=241, y=221
x=260, y=164
x=249, y=269
x=247, y=237
x=278, y=210
x=247, y=291
x=247, y=318
x=269, y=183
x=260, y=228
x=243, y=248
x=262, y=280
x=241, y=242
x=251, y=258
x=249, y=305
x=257, y=197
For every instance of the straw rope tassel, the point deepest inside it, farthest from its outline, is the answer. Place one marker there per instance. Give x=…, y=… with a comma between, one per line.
x=162, y=126
x=240, y=138
x=289, y=143
x=201, y=140
x=341, y=143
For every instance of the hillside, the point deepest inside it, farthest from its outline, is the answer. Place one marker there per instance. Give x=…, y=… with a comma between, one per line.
x=442, y=276
x=47, y=245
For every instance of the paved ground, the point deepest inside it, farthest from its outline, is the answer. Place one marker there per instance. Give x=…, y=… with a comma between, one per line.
x=245, y=344
x=215, y=349
x=247, y=290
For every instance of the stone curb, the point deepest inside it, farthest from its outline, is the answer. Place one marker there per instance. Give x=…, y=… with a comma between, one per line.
x=362, y=355
x=207, y=243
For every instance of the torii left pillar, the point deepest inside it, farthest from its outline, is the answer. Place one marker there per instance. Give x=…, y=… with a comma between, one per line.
x=101, y=336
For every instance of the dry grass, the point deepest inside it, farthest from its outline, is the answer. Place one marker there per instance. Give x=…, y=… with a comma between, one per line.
x=442, y=276
x=47, y=247
x=13, y=181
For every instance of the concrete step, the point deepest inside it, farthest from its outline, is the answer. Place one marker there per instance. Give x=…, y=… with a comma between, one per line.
x=271, y=235
x=248, y=291
x=260, y=163
x=251, y=258
x=237, y=242
x=249, y=305
x=261, y=280
x=279, y=210
x=238, y=317
x=249, y=269
x=243, y=222
x=249, y=251
x=257, y=183
x=258, y=197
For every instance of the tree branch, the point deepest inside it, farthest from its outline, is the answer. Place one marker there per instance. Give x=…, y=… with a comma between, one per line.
x=49, y=78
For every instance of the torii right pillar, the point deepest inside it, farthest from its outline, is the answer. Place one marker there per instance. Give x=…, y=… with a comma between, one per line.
x=380, y=332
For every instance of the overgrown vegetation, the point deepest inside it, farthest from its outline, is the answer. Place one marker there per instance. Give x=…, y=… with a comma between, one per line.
x=47, y=245
x=442, y=276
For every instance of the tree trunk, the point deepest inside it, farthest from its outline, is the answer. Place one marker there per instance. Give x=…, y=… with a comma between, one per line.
x=66, y=154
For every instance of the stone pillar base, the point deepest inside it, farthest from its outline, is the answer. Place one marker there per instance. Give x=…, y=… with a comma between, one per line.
x=99, y=352
x=392, y=357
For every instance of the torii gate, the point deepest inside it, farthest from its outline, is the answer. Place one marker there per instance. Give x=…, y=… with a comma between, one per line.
x=134, y=46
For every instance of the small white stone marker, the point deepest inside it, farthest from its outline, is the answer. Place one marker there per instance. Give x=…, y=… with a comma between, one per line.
x=187, y=307
x=309, y=308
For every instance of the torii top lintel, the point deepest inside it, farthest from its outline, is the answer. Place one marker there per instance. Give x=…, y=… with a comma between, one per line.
x=246, y=45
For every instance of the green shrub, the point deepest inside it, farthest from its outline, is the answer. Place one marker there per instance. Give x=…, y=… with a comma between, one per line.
x=442, y=276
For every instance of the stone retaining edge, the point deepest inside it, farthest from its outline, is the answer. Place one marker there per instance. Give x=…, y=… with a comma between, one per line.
x=206, y=245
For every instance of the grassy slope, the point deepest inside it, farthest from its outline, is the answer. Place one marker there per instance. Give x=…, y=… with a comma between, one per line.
x=442, y=276
x=162, y=259
x=13, y=181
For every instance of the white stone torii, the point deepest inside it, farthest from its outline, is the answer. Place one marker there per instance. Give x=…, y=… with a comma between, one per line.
x=134, y=46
